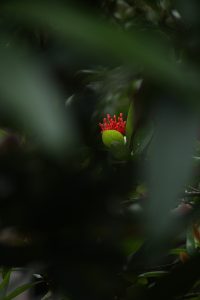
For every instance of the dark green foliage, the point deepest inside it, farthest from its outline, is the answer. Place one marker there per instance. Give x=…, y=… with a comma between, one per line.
x=96, y=222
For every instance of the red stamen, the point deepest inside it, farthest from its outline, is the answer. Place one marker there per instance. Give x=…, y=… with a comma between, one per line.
x=114, y=123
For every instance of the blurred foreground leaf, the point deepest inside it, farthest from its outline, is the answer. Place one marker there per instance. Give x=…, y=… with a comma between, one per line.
x=28, y=97
x=170, y=168
x=132, y=49
x=4, y=284
x=18, y=291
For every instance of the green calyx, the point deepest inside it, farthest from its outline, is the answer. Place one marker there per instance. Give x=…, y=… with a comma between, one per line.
x=112, y=138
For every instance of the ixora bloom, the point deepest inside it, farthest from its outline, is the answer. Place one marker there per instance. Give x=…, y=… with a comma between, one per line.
x=113, y=130
x=114, y=123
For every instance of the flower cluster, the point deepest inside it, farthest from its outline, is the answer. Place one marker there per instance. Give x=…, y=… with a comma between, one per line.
x=114, y=123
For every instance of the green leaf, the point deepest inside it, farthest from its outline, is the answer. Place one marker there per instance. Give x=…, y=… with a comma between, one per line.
x=20, y=290
x=142, y=139
x=119, y=151
x=130, y=246
x=4, y=284
x=190, y=241
x=142, y=280
x=153, y=274
x=130, y=124
x=177, y=251
x=5, y=271
x=33, y=102
x=132, y=49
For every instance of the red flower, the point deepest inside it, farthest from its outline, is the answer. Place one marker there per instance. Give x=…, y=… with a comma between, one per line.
x=114, y=123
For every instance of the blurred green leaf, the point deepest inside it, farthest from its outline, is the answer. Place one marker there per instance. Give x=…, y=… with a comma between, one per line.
x=133, y=49
x=170, y=168
x=29, y=98
x=4, y=284
x=131, y=245
x=18, y=291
